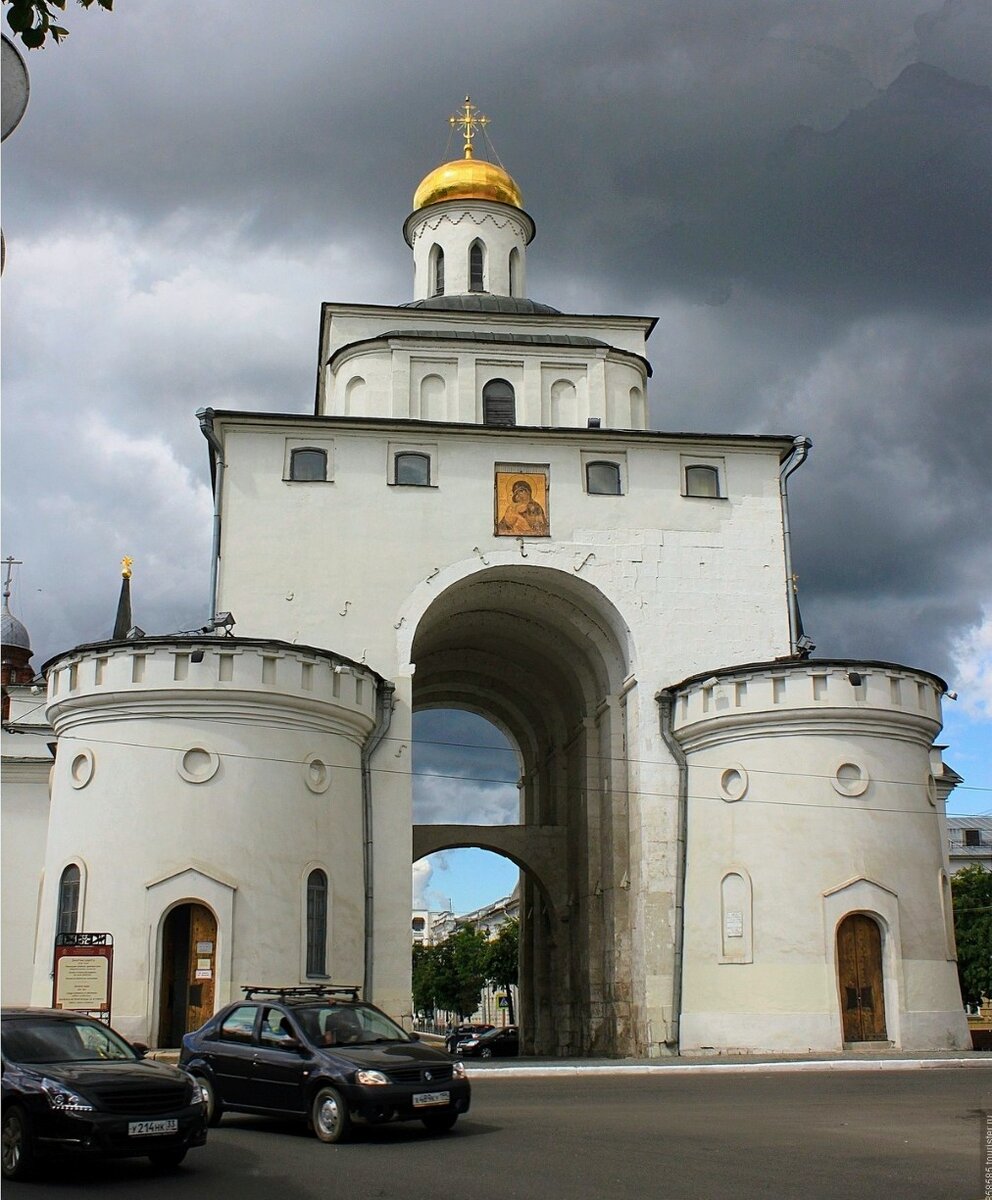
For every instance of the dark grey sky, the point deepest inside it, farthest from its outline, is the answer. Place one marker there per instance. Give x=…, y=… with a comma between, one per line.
x=799, y=189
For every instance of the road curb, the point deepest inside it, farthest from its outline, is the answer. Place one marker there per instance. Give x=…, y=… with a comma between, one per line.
x=684, y=1068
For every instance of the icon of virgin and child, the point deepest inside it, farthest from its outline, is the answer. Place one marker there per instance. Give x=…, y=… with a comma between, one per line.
x=522, y=514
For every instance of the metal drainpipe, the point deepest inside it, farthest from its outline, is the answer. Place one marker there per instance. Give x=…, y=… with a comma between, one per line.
x=797, y=456
x=666, y=702
x=383, y=717
x=206, y=419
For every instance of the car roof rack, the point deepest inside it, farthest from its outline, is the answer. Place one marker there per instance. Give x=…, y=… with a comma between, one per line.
x=317, y=990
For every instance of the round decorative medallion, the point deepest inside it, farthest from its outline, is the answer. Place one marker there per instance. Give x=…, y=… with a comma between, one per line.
x=198, y=765
x=733, y=783
x=932, y=790
x=316, y=774
x=81, y=769
x=850, y=779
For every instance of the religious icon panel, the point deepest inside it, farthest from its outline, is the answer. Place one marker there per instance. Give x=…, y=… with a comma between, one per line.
x=522, y=503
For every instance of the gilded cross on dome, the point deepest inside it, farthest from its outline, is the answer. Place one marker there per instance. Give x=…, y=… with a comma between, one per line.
x=469, y=119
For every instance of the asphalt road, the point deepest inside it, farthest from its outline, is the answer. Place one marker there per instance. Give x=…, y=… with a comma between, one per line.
x=910, y=1135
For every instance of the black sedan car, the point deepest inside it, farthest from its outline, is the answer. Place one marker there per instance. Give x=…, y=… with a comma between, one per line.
x=324, y=1055
x=496, y=1043
x=462, y=1033
x=71, y=1084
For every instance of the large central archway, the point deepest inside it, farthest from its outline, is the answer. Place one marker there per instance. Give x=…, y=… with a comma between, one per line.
x=545, y=656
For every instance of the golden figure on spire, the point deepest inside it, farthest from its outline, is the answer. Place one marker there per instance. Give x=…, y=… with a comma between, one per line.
x=126, y=564
x=469, y=119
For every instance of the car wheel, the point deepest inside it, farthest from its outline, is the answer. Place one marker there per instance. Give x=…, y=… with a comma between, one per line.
x=329, y=1116
x=440, y=1122
x=215, y=1109
x=486, y=1052
x=18, y=1145
x=167, y=1160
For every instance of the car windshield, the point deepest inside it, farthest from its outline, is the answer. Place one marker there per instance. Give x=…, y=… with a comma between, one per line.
x=347, y=1025
x=62, y=1039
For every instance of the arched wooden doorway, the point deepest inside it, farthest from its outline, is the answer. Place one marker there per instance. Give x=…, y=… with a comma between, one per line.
x=189, y=957
x=859, y=975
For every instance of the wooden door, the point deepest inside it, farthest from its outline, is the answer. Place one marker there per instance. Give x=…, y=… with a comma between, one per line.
x=189, y=956
x=859, y=973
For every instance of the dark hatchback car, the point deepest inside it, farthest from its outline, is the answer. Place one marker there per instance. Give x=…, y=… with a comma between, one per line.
x=322, y=1054
x=71, y=1084
x=497, y=1043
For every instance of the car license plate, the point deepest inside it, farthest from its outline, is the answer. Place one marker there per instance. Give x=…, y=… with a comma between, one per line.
x=150, y=1128
x=425, y=1099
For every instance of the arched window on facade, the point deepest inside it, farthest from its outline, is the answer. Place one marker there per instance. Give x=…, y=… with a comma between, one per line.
x=69, y=900
x=476, y=267
x=702, y=481
x=437, y=271
x=413, y=469
x=317, y=923
x=515, y=289
x=498, y=403
x=602, y=479
x=308, y=465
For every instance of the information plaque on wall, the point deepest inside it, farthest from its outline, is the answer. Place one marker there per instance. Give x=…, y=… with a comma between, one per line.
x=83, y=973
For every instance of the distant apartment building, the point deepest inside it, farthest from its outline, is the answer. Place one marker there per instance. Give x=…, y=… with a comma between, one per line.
x=969, y=842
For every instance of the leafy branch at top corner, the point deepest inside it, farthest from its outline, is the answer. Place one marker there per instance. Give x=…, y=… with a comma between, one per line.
x=33, y=20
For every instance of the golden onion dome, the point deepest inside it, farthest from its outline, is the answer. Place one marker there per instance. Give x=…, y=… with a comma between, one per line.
x=467, y=179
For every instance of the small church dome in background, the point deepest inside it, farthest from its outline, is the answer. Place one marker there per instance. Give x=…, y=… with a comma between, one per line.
x=12, y=632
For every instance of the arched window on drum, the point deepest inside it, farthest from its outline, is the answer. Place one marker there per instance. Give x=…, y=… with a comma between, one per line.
x=498, y=403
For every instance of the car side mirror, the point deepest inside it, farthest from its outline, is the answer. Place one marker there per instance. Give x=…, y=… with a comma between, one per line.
x=414, y=1036
x=139, y=1048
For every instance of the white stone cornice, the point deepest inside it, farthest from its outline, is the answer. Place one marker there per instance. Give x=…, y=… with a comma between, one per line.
x=844, y=722
x=242, y=708
x=26, y=770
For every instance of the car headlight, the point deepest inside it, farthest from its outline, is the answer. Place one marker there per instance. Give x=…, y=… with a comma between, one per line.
x=374, y=1078
x=469, y=1045
x=64, y=1099
x=194, y=1088
x=458, y=1070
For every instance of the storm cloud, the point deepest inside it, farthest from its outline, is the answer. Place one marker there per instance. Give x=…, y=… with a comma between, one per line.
x=799, y=190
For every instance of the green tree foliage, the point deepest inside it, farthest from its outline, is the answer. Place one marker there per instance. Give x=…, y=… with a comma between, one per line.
x=33, y=20
x=502, y=959
x=971, y=889
x=451, y=975
x=424, y=981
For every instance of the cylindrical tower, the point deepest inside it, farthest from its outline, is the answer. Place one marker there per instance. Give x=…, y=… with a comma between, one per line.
x=207, y=807
x=817, y=908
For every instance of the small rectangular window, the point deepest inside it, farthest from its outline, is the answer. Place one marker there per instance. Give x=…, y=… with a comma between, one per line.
x=972, y=837
x=702, y=481
x=412, y=464
x=310, y=461
x=308, y=465
x=603, y=479
x=413, y=470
